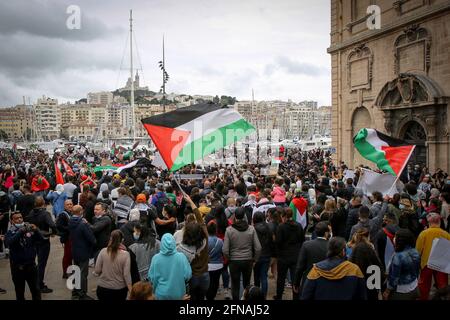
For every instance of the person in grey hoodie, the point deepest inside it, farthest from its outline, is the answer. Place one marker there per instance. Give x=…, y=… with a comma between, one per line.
x=242, y=248
x=145, y=247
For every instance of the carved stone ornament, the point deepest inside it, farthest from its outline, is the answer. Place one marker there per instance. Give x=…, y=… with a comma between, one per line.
x=405, y=90
x=417, y=40
x=362, y=56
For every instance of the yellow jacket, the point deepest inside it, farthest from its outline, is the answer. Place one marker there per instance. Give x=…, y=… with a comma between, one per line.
x=425, y=242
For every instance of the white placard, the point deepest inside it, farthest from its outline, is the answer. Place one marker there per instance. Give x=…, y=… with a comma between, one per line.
x=439, y=259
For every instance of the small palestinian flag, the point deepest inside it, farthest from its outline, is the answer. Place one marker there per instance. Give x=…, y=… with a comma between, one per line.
x=299, y=207
x=186, y=135
x=389, y=154
x=58, y=174
x=67, y=168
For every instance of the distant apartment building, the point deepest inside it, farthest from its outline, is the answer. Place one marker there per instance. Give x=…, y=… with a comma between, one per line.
x=48, y=120
x=104, y=97
x=17, y=123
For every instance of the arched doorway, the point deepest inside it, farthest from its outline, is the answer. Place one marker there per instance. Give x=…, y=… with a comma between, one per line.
x=414, y=133
x=360, y=119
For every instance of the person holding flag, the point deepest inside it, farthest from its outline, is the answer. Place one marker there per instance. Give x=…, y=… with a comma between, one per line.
x=299, y=206
x=39, y=184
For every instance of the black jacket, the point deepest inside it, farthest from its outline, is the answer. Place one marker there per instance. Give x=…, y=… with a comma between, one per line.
x=43, y=220
x=352, y=219
x=22, y=246
x=265, y=237
x=25, y=204
x=62, y=224
x=311, y=252
x=338, y=222
x=101, y=226
x=128, y=230
x=289, y=239
x=83, y=239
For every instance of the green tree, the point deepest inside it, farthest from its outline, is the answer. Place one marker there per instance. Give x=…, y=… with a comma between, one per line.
x=216, y=99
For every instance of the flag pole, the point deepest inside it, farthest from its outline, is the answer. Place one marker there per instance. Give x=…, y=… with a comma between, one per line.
x=178, y=184
x=403, y=168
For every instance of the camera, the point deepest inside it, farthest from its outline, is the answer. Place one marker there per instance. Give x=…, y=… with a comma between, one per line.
x=28, y=227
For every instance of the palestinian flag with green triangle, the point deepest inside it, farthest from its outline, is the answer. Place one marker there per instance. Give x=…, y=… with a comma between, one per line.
x=388, y=153
x=188, y=134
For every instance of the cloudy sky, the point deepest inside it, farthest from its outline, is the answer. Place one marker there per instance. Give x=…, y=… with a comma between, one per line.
x=276, y=47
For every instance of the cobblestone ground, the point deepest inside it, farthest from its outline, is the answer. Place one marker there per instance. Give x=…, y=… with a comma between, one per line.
x=54, y=280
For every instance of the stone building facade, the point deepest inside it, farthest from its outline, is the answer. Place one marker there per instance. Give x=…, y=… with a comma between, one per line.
x=395, y=79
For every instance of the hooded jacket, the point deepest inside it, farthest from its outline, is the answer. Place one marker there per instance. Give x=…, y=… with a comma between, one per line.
x=169, y=271
x=83, y=239
x=289, y=239
x=42, y=219
x=144, y=252
x=241, y=242
x=278, y=194
x=57, y=199
x=335, y=279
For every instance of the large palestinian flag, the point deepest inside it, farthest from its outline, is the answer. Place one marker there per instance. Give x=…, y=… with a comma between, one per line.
x=188, y=134
x=388, y=153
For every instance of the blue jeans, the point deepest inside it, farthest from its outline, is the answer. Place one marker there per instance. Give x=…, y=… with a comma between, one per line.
x=261, y=270
x=225, y=277
x=198, y=286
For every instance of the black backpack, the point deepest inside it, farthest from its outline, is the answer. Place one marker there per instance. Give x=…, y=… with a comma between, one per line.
x=161, y=201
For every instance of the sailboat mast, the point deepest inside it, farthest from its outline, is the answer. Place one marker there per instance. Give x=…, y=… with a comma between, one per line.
x=164, y=79
x=131, y=77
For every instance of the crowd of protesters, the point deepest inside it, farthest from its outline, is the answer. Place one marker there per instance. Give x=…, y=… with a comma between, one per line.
x=146, y=236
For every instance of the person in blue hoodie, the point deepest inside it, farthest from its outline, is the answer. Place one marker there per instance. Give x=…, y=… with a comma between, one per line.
x=57, y=198
x=169, y=271
x=83, y=246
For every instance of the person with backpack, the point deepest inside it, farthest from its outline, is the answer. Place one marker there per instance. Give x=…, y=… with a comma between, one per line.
x=62, y=224
x=147, y=212
x=123, y=206
x=160, y=199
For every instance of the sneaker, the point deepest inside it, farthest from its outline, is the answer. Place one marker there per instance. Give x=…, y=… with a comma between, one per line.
x=86, y=297
x=227, y=294
x=2, y=291
x=46, y=289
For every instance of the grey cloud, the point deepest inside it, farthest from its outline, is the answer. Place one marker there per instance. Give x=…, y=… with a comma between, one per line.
x=269, y=69
x=30, y=57
x=300, y=68
x=48, y=19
